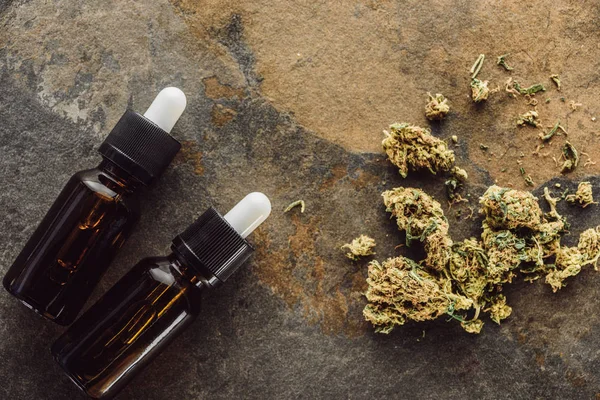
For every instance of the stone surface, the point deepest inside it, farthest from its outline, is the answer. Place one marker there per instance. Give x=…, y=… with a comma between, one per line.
x=290, y=99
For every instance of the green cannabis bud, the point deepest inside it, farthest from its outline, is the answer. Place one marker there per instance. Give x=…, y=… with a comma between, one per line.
x=422, y=218
x=571, y=157
x=412, y=147
x=589, y=246
x=505, y=208
x=570, y=260
x=454, y=183
x=437, y=107
x=529, y=118
x=473, y=326
x=583, y=196
x=362, y=246
x=464, y=280
x=479, y=90
x=498, y=309
x=401, y=290
x=468, y=268
x=568, y=263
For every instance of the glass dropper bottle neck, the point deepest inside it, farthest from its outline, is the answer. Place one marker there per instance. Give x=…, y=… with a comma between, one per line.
x=121, y=178
x=187, y=272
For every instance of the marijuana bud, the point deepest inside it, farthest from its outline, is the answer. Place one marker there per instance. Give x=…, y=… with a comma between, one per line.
x=529, y=118
x=458, y=177
x=583, y=196
x=468, y=268
x=589, y=246
x=422, y=218
x=568, y=263
x=362, y=246
x=571, y=157
x=412, y=147
x=498, y=308
x=506, y=208
x=437, y=107
x=472, y=326
x=401, y=290
x=479, y=90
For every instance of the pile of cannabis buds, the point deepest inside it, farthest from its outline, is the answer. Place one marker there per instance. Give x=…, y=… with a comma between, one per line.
x=464, y=280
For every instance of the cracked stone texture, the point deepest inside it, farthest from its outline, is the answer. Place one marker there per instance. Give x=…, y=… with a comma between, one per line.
x=290, y=98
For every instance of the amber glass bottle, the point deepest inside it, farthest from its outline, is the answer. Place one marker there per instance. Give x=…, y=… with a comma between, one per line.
x=72, y=247
x=150, y=306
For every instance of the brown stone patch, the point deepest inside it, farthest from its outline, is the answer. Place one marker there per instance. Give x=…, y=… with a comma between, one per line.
x=337, y=173
x=364, y=179
x=222, y=115
x=190, y=154
x=540, y=359
x=368, y=69
x=575, y=378
x=300, y=277
x=216, y=90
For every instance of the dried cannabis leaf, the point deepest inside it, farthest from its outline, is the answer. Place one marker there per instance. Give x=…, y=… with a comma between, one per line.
x=502, y=62
x=412, y=147
x=437, y=107
x=583, y=196
x=528, y=180
x=422, y=218
x=538, y=87
x=362, y=246
x=552, y=132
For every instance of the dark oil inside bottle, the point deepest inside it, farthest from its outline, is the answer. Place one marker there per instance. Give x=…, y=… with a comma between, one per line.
x=72, y=247
x=129, y=326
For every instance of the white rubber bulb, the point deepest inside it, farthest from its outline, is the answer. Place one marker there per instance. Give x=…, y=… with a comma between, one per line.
x=249, y=213
x=166, y=108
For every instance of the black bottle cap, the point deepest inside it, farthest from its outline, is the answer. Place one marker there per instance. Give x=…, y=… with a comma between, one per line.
x=212, y=247
x=140, y=147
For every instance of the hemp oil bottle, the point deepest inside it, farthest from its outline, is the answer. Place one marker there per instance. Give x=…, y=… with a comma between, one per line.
x=156, y=300
x=72, y=247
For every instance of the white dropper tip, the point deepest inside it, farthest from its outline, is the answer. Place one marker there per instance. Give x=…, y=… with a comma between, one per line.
x=249, y=213
x=166, y=108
